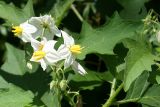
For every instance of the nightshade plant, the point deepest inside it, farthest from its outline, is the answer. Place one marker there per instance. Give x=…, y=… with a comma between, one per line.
x=112, y=60
x=45, y=52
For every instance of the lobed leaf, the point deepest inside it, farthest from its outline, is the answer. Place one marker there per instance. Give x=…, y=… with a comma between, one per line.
x=133, y=9
x=138, y=59
x=103, y=40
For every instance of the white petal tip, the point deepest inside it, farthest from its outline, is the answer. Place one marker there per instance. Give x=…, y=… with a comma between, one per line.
x=58, y=34
x=82, y=72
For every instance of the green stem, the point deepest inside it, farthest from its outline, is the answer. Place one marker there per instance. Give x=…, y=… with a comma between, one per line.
x=77, y=13
x=113, y=87
x=126, y=101
x=111, y=98
x=61, y=14
x=56, y=76
x=59, y=97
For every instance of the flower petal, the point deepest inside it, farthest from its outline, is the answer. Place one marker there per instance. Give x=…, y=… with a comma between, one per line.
x=47, y=19
x=78, y=68
x=63, y=51
x=35, y=44
x=26, y=37
x=52, y=57
x=35, y=21
x=43, y=64
x=55, y=30
x=28, y=28
x=49, y=46
x=44, y=41
x=68, y=40
x=69, y=60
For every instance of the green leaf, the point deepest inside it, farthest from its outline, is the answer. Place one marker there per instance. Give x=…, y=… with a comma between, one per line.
x=50, y=99
x=115, y=63
x=14, y=15
x=158, y=79
x=3, y=84
x=60, y=9
x=137, y=89
x=15, y=61
x=141, y=92
x=15, y=97
x=151, y=97
x=89, y=81
x=37, y=82
x=133, y=9
x=138, y=59
x=143, y=105
x=112, y=62
x=103, y=40
x=28, y=9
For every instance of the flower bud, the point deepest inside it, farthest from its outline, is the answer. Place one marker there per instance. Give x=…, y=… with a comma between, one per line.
x=53, y=83
x=29, y=65
x=63, y=85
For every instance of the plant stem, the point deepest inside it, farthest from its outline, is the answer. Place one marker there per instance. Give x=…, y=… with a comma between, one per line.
x=77, y=13
x=126, y=101
x=111, y=98
x=59, y=97
x=61, y=14
x=57, y=77
x=113, y=87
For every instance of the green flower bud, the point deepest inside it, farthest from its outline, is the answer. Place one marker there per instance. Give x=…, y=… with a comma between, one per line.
x=53, y=83
x=63, y=85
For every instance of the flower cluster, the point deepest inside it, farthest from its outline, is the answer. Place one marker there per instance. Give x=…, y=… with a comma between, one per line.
x=37, y=30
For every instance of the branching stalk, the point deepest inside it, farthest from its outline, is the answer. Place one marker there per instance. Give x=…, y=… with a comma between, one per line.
x=111, y=98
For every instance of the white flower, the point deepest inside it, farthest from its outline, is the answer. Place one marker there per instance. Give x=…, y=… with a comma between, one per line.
x=68, y=50
x=44, y=52
x=46, y=22
x=24, y=31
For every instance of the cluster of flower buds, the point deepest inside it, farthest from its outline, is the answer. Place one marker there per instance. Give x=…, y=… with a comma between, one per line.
x=40, y=31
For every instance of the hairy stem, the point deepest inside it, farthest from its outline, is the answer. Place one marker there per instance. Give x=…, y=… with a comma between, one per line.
x=57, y=77
x=126, y=101
x=111, y=98
x=77, y=13
x=113, y=87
